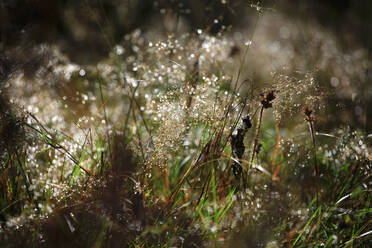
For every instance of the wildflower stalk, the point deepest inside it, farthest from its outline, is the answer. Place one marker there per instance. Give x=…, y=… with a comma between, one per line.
x=310, y=120
x=257, y=136
x=311, y=124
x=266, y=102
x=275, y=171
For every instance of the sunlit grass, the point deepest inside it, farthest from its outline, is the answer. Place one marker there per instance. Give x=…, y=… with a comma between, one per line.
x=139, y=150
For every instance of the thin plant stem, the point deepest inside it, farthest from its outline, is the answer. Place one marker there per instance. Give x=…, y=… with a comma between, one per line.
x=311, y=126
x=257, y=136
x=27, y=182
x=106, y=120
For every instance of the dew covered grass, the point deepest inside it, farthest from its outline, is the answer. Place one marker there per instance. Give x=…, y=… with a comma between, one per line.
x=255, y=136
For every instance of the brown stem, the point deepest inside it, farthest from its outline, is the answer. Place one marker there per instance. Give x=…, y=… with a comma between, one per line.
x=311, y=126
x=257, y=136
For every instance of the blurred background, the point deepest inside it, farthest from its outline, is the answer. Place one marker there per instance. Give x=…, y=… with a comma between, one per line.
x=332, y=37
x=77, y=26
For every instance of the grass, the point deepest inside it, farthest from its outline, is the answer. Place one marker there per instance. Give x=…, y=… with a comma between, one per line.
x=144, y=153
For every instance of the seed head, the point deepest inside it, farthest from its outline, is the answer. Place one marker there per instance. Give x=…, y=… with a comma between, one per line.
x=267, y=98
x=309, y=116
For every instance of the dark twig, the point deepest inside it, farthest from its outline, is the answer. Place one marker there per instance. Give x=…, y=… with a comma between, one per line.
x=238, y=147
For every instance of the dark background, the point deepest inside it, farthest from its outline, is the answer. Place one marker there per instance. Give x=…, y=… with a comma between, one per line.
x=77, y=26
x=85, y=31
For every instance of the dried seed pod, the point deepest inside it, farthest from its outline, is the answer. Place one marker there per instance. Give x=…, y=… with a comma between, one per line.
x=247, y=121
x=237, y=144
x=267, y=98
x=308, y=111
x=258, y=148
